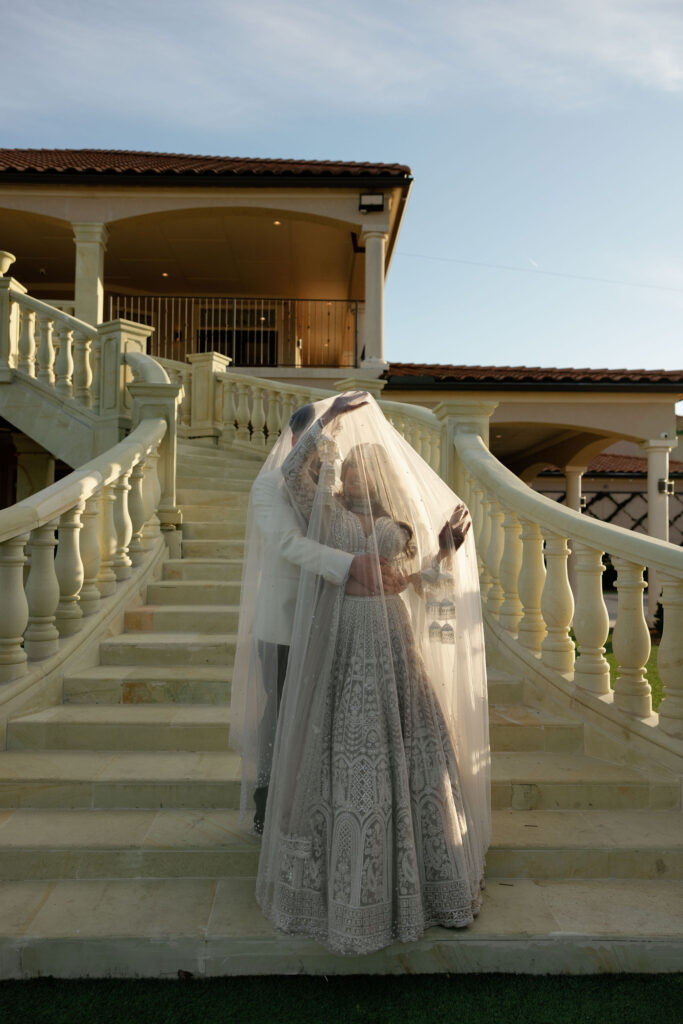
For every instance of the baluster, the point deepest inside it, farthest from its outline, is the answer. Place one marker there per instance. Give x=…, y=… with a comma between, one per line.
x=89, y=598
x=288, y=400
x=557, y=606
x=258, y=418
x=494, y=554
x=531, y=583
x=187, y=396
x=670, y=657
x=69, y=570
x=510, y=565
x=229, y=433
x=46, y=351
x=136, y=508
x=41, y=638
x=151, y=493
x=106, y=532
x=273, y=420
x=484, y=542
x=435, y=461
x=591, y=621
x=477, y=512
x=82, y=369
x=27, y=343
x=13, y=608
x=123, y=526
x=242, y=413
x=631, y=641
x=64, y=363
x=96, y=364
x=424, y=443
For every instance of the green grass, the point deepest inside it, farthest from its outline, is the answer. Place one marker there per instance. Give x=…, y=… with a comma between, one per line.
x=434, y=999
x=653, y=677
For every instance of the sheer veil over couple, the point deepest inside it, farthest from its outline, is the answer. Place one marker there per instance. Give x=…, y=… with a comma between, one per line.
x=359, y=693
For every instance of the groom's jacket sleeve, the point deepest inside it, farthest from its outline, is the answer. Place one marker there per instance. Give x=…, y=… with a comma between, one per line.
x=278, y=524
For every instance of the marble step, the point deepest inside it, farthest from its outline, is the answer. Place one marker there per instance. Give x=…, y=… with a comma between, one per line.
x=230, y=549
x=190, y=592
x=207, y=465
x=231, y=527
x=214, y=513
x=156, y=726
x=164, y=649
x=118, y=779
x=503, y=688
x=149, y=684
x=520, y=727
x=205, y=454
x=216, y=494
x=182, y=618
x=122, y=727
x=53, y=843
x=77, y=928
x=217, y=569
x=541, y=780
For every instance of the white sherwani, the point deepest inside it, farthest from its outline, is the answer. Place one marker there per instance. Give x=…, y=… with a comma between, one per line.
x=286, y=551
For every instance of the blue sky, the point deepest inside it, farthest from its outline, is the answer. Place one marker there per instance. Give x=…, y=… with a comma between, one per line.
x=545, y=225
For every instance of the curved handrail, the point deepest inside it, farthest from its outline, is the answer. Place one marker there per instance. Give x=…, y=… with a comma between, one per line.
x=146, y=369
x=531, y=505
x=53, y=501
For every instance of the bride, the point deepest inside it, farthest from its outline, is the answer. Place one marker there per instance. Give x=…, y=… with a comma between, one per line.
x=378, y=813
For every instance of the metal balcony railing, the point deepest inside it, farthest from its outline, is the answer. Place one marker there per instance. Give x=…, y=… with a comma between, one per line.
x=251, y=331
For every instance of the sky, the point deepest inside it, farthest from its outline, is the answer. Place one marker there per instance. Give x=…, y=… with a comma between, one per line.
x=545, y=223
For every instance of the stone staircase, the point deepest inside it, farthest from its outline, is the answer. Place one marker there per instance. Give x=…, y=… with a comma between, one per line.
x=120, y=852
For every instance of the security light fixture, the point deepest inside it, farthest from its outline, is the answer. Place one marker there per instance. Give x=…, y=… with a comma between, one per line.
x=665, y=486
x=371, y=202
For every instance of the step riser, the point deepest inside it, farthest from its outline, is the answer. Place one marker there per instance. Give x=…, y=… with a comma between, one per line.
x=560, y=739
x=145, y=691
x=128, y=795
x=550, y=796
x=198, y=493
x=23, y=864
x=202, y=592
x=220, y=653
x=231, y=528
x=214, y=513
x=18, y=865
x=162, y=619
x=185, y=569
x=131, y=736
x=232, y=549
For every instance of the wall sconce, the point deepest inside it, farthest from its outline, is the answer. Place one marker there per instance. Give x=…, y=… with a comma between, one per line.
x=665, y=486
x=371, y=202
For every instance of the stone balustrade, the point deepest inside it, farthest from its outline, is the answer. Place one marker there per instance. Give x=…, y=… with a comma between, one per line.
x=523, y=543
x=530, y=537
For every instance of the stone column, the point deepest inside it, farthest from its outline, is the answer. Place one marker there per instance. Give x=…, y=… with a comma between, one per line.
x=91, y=242
x=657, y=507
x=374, y=241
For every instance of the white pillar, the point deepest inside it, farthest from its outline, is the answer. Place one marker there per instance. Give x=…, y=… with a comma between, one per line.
x=373, y=325
x=657, y=507
x=572, y=476
x=91, y=242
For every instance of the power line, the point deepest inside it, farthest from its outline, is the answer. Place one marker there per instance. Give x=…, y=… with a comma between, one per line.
x=546, y=273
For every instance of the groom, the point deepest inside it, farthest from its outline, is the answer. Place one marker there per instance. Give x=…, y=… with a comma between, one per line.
x=287, y=551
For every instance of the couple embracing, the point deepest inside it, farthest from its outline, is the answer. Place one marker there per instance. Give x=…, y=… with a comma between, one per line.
x=359, y=695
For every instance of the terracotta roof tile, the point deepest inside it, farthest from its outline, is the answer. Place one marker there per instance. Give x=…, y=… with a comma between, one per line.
x=613, y=464
x=115, y=161
x=430, y=372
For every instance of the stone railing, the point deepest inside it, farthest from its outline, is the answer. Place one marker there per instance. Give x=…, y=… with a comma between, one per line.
x=83, y=536
x=77, y=367
x=524, y=542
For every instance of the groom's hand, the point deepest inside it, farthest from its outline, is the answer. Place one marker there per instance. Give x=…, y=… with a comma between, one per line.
x=376, y=575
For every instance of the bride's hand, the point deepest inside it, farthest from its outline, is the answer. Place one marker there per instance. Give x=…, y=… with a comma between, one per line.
x=343, y=404
x=453, y=533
